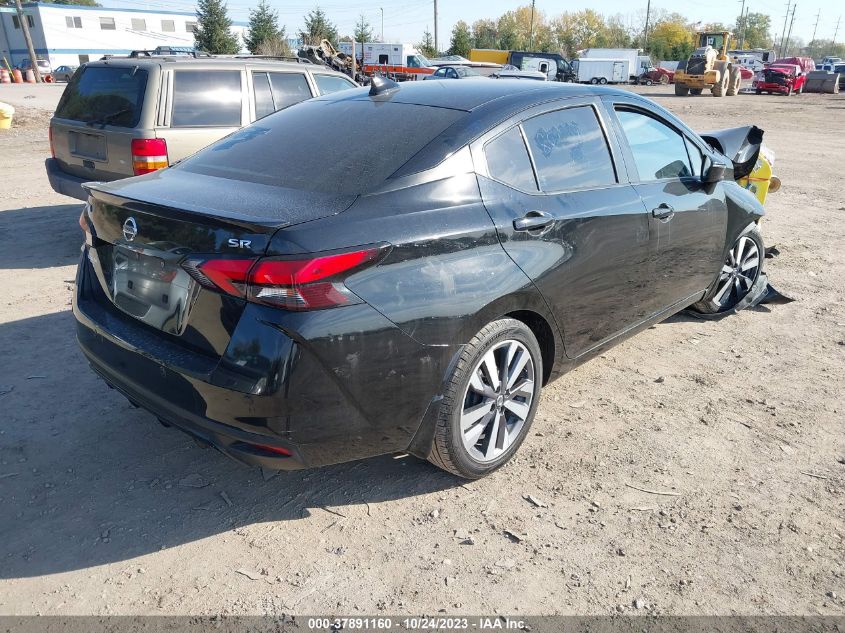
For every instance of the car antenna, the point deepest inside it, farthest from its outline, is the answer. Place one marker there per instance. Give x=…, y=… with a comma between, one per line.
x=382, y=85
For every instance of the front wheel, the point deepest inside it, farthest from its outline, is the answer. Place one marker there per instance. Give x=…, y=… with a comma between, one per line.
x=738, y=275
x=594, y=81
x=490, y=400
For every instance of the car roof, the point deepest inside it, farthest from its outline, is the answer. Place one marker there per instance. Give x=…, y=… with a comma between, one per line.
x=471, y=95
x=212, y=62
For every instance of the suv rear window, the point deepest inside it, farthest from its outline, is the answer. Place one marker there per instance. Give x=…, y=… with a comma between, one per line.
x=299, y=146
x=105, y=94
x=328, y=84
x=206, y=98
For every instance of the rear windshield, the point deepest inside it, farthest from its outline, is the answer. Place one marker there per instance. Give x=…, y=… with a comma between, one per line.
x=110, y=95
x=342, y=147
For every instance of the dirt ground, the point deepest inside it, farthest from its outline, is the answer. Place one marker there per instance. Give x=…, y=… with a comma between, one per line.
x=104, y=511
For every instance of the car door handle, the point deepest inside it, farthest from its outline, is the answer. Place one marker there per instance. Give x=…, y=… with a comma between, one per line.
x=663, y=212
x=533, y=221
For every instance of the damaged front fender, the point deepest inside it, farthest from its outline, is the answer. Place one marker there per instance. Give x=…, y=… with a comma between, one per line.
x=752, y=161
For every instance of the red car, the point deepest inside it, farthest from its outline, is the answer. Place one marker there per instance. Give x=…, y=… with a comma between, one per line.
x=656, y=76
x=780, y=78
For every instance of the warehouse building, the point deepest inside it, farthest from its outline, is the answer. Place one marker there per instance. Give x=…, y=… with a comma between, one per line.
x=72, y=34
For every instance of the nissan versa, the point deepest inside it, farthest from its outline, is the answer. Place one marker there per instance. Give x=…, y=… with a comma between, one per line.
x=402, y=269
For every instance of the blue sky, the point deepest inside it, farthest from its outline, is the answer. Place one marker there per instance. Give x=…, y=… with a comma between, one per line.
x=405, y=22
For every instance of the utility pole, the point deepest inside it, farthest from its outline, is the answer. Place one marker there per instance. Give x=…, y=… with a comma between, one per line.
x=531, y=38
x=28, y=39
x=382, y=23
x=645, y=32
x=742, y=24
x=815, y=28
x=789, y=33
x=436, y=40
x=836, y=32
x=785, y=20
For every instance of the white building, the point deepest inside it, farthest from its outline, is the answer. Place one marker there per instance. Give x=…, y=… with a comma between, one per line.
x=72, y=34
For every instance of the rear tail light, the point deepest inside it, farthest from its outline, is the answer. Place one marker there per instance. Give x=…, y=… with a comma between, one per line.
x=50, y=135
x=148, y=154
x=306, y=283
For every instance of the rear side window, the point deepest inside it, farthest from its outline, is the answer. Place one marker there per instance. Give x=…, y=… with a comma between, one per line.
x=299, y=147
x=263, y=95
x=205, y=98
x=288, y=89
x=569, y=150
x=328, y=84
x=105, y=94
x=508, y=161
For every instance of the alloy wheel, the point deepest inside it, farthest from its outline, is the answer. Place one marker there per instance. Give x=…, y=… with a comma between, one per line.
x=497, y=400
x=739, y=272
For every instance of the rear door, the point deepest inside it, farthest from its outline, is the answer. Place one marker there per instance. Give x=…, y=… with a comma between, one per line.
x=687, y=217
x=558, y=194
x=101, y=110
x=202, y=106
x=276, y=90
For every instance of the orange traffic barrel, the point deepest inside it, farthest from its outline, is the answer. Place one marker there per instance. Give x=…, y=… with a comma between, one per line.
x=30, y=76
x=48, y=79
x=4, y=76
x=16, y=76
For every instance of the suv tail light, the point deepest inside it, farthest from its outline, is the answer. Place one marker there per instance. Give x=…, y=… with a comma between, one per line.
x=52, y=149
x=148, y=154
x=304, y=283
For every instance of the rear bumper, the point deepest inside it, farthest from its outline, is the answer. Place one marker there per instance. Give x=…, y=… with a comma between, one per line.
x=64, y=183
x=348, y=384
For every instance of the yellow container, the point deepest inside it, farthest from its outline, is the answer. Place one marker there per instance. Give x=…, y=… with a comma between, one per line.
x=761, y=179
x=489, y=55
x=6, y=114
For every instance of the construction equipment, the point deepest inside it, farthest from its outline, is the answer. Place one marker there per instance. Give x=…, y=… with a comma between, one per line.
x=709, y=67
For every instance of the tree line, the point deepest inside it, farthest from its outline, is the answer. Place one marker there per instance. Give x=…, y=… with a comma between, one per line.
x=670, y=35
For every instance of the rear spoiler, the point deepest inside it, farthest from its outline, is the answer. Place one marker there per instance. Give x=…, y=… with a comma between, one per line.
x=740, y=144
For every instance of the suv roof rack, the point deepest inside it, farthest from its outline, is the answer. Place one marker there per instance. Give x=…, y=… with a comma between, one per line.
x=160, y=51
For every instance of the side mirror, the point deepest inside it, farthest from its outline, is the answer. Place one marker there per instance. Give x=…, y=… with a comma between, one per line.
x=715, y=172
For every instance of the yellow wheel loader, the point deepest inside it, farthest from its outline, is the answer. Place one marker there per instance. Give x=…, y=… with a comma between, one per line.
x=709, y=67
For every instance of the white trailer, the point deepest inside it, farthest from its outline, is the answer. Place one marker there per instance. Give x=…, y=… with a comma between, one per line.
x=601, y=71
x=638, y=63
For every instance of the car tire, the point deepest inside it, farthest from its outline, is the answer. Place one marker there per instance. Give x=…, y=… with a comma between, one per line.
x=471, y=446
x=730, y=288
x=758, y=91
x=594, y=81
x=681, y=90
x=602, y=81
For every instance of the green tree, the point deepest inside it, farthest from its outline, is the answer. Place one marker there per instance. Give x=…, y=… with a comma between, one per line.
x=213, y=34
x=426, y=46
x=275, y=46
x=318, y=27
x=617, y=34
x=263, y=26
x=671, y=40
x=755, y=30
x=363, y=30
x=485, y=34
x=461, y=41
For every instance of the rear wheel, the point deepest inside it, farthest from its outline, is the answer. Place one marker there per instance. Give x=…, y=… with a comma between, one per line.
x=734, y=81
x=490, y=400
x=602, y=81
x=681, y=90
x=738, y=275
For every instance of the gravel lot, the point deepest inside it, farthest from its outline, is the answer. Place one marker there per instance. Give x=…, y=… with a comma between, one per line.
x=103, y=511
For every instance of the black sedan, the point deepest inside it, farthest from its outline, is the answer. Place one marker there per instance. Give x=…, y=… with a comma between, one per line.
x=402, y=269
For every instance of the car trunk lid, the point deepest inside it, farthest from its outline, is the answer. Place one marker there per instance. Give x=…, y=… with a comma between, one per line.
x=143, y=242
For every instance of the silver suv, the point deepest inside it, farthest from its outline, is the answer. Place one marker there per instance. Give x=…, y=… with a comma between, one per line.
x=122, y=117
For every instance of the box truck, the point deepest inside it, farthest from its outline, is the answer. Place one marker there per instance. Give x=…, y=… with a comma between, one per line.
x=601, y=71
x=401, y=61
